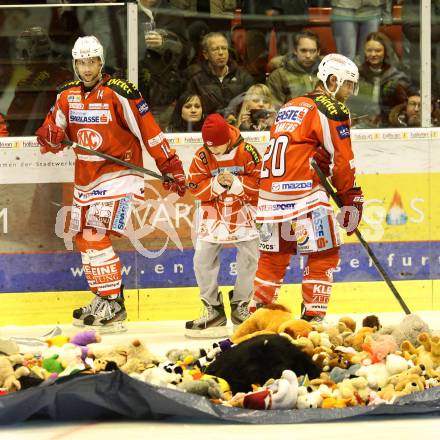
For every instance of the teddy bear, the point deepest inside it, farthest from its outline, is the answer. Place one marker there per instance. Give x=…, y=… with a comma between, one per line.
x=427, y=354
x=355, y=390
x=9, y=377
x=105, y=352
x=356, y=340
x=280, y=393
x=408, y=329
x=308, y=400
x=206, y=385
x=155, y=375
x=264, y=320
x=139, y=358
x=380, y=347
x=260, y=358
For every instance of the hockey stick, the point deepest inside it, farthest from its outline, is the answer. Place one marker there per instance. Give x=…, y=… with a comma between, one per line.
x=118, y=161
x=361, y=239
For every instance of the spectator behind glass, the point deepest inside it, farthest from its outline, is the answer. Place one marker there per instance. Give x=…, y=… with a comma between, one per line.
x=297, y=75
x=41, y=74
x=411, y=42
x=353, y=20
x=257, y=112
x=166, y=47
x=381, y=85
x=218, y=79
x=187, y=115
x=3, y=128
x=408, y=113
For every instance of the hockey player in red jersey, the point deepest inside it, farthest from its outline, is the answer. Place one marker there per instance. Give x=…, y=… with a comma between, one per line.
x=108, y=115
x=293, y=207
x=223, y=177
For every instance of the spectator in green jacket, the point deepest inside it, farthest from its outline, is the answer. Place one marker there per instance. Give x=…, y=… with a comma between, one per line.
x=297, y=75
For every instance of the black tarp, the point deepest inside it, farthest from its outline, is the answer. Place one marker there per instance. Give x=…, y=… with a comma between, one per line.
x=116, y=395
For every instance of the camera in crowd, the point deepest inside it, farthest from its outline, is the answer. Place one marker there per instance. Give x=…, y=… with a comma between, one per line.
x=259, y=113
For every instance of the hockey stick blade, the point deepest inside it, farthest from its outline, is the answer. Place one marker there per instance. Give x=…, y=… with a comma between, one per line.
x=361, y=239
x=118, y=161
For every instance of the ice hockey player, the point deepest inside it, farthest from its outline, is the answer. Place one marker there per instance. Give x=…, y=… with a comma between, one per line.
x=223, y=177
x=108, y=115
x=293, y=207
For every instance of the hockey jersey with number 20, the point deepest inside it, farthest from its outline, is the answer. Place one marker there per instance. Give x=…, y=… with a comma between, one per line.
x=289, y=186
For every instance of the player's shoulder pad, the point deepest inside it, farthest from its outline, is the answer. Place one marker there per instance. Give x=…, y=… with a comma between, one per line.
x=124, y=88
x=331, y=107
x=253, y=152
x=68, y=85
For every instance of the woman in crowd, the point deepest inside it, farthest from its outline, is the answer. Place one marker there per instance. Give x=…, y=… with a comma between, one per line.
x=381, y=83
x=187, y=115
x=257, y=112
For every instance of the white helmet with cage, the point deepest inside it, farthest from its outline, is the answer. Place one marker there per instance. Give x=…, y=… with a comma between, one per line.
x=87, y=47
x=342, y=67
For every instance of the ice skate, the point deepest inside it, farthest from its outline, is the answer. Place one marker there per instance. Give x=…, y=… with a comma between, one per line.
x=80, y=313
x=108, y=317
x=313, y=319
x=212, y=323
x=239, y=310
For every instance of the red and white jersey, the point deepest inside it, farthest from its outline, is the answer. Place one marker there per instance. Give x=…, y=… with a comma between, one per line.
x=114, y=119
x=289, y=186
x=226, y=215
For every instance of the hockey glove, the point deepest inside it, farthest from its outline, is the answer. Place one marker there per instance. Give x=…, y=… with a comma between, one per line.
x=322, y=158
x=50, y=137
x=351, y=212
x=173, y=169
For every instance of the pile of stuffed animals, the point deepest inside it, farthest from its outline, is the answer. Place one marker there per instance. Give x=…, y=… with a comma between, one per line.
x=272, y=361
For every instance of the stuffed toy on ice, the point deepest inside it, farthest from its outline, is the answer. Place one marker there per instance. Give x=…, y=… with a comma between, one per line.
x=256, y=360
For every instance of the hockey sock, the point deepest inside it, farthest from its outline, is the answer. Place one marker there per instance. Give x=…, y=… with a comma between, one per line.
x=88, y=272
x=269, y=276
x=318, y=281
x=106, y=271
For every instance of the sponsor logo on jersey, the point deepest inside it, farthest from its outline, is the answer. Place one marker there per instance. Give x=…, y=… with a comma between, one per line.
x=98, y=105
x=251, y=150
x=156, y=140
x=121, y=215
x=343, y=131
x=90, y=116
x=76, y=105
x=235, y=170
x=89, y=138
x=277, y=207
x=301, y=234
x=292, y=185
x=93, y=193
x=266, y=246
x=333, y=107
x=142, y=106
x=73, y=98
x=291, y=113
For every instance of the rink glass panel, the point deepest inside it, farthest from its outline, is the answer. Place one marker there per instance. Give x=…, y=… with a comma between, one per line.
x=402, y=203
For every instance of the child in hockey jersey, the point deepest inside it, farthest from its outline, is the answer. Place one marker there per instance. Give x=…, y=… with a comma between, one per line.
x=224, y=177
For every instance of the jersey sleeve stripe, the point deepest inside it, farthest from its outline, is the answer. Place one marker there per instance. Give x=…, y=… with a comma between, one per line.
x=328, y=143
x=130, y=118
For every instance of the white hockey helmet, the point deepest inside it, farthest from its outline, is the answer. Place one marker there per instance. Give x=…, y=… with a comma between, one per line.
x=342, y=67
x=87, y=47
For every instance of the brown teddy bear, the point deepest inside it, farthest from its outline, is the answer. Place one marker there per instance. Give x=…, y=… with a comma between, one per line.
x=427, y=354
x=8, y=376
x=139, y=358
x=272, y=318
